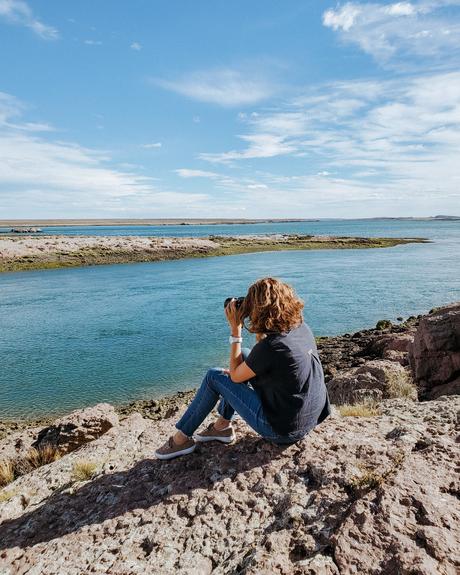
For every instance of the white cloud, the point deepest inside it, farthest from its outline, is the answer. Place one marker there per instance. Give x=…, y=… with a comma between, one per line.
x=136, y=46
x=341, y=19
x=257, y=187
x=152, y=145
x=186, y=173
x=401, y=9
x=384, y=143
x=223, y=86
x=53, y=178
x=262, y=145
x=92, y=42
x=409, y=29
x=18, y=12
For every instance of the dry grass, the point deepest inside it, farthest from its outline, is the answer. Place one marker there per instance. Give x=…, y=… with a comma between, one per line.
x=358, y=410
x=83, y=470
x=402, y=386
x=6, y=473
x=7, y=495
x=35, y=458
x=370, y=479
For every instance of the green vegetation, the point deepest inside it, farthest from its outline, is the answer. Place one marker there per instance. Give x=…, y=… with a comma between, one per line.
x=383, y=324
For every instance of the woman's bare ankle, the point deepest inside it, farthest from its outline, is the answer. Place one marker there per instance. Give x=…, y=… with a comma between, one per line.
x=180, y=438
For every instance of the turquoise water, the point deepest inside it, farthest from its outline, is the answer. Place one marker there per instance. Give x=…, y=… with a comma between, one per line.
x=72, y=337
x=334, y=227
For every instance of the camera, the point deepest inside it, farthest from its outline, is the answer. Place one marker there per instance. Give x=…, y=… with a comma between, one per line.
x=238, y=301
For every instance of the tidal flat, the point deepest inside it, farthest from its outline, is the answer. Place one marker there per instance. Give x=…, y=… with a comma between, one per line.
x=51, y=252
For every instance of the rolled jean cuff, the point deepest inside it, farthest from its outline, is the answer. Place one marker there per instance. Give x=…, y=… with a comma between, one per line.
x=182, y=431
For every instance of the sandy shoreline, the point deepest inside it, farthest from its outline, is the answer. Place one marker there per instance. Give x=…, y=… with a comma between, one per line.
x=21, y=253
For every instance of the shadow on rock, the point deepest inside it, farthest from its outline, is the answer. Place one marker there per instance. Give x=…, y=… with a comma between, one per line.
x=147, y=484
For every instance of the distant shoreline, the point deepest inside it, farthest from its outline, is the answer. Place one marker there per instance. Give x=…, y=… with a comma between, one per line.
x=148, y=222
x=60, y=222
x=23, y=253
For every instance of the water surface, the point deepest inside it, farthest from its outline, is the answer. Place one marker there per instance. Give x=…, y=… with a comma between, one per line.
x=72, y=337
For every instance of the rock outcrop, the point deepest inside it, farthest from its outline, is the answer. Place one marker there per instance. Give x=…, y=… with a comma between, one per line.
x=65, y=434
x=80, y=427
x=372, y=495
x=435, y=353
x=343, y=352
x=376, y=379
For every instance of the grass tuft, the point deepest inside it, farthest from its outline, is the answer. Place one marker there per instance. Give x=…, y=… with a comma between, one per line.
x=369, y=479
x=83, y=470
x=7, y=495
x=358, y=410
x=402, y=386
x=35, y=458
x=6, y=473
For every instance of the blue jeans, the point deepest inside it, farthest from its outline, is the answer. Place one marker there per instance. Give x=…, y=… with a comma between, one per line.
x=239, y=397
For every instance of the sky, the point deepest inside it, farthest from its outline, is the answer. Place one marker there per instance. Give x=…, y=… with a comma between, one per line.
x=229, y=108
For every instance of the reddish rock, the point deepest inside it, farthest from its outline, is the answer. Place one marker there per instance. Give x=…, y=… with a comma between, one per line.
x=400, y=357
x=367, y=496
x=435, y=353
x=394, y=342
x=378, y=378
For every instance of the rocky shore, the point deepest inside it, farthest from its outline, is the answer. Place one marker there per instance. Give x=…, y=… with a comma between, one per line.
x=373, y=490
x=49, y=252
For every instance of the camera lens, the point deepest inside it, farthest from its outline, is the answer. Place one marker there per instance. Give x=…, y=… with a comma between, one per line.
x=238, y=302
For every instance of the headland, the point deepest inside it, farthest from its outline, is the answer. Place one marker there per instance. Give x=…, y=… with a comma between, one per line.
x=22, y=253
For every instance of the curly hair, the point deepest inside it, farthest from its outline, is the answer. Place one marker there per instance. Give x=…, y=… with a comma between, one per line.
x=271, y=306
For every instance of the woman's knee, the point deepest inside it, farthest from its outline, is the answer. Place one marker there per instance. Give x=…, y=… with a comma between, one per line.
x=213, y=371
x=214, y=374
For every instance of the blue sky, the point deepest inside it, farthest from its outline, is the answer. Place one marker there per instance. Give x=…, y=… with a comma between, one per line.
x=229, y=108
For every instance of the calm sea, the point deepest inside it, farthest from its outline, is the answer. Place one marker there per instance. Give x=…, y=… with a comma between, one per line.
x=73, y=337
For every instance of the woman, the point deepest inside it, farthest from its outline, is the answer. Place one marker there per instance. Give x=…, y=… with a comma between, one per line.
x=277, y=388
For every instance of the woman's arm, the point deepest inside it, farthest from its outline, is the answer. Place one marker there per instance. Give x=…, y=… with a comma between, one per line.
x=239, y=371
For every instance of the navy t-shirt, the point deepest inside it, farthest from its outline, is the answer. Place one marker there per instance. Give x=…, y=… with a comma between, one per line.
x=290, y=380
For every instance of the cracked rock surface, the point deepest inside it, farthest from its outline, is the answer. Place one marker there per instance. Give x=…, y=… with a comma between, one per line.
x=374, y=495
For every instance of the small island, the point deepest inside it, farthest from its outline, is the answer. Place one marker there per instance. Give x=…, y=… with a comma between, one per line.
x=50, y=252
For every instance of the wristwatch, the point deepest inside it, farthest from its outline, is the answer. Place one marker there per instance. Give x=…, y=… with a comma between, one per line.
x=233, y=339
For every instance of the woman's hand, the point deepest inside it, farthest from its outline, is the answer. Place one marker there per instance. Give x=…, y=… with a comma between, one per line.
x=233, y=318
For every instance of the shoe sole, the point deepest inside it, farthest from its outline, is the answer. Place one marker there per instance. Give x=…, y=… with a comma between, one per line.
x=175, y=453
x=205, y=438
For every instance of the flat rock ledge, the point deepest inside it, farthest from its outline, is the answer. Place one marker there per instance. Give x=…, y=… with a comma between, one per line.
x=375, y=495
